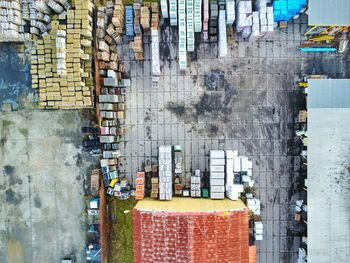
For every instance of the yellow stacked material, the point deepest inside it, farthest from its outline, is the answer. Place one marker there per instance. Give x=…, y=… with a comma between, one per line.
x=62, y=69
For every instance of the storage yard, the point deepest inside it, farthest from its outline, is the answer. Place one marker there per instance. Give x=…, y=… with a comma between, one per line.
x=133, y=131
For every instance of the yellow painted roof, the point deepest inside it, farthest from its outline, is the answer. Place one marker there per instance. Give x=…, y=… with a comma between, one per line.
x=187, y=204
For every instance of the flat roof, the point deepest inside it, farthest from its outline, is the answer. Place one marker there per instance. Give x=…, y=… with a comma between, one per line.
x=187, y=204
x=328, y=191
x=329, y=12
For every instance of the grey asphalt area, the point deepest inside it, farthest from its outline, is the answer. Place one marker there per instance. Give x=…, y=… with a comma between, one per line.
x=245, y=101
x=42, y=207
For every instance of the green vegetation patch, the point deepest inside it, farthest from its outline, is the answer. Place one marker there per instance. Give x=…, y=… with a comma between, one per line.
x=120, y=231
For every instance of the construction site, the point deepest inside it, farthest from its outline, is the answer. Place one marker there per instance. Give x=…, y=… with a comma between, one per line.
x=174, y=131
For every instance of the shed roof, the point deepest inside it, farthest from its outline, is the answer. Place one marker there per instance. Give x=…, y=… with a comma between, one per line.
x=329, y=12
x=328, y=171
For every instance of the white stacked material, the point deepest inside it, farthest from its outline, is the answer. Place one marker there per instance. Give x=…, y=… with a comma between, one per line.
x=255, y=34
x=42, y=7
x=11, y=22
x=217, y=174
x=222, y=34
x=164, y=8
x=196, y=184
x=61, y=52
x=270, y=22
x=205, y=19
x=258, y=230
x=197, y=16
x=173, y=12
x=155, y=52
x=232, y=190
x=254, y=205
x=165, y=172
x=230, y=12
x=57, y=8
x=244, y=15
x=182, y=35
x=190, y=26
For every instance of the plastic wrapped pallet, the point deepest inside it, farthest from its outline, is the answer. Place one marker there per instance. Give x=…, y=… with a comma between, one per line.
x=197, y=16
x=230, y=12
x=190, y=25
x=155, y=52
x=182, y=35
x=173, y=12
x=165, y=172
x=222, y=34
x=217, y=170
x=164, y=8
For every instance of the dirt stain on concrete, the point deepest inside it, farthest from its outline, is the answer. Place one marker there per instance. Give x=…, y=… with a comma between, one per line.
x=13, y=198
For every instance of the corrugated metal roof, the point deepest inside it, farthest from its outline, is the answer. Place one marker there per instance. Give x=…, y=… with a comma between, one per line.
x=329, y=12
x=329, y=93
x=328, y=174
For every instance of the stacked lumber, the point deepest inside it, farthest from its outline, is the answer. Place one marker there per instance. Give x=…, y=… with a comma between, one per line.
x=61, y=61
x=155, y=187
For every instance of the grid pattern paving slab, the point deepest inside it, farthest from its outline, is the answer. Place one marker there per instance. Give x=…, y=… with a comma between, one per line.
x=250, y=110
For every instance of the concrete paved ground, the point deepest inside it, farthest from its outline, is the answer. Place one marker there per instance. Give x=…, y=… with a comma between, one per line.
x=42, y=206
x=249, y=111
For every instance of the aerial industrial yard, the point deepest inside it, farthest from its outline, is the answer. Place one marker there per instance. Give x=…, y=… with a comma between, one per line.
x=174, y=131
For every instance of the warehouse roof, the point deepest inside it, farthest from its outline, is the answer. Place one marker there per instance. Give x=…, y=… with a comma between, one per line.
x=328, y=171
x=329, y=13
x=181, y=204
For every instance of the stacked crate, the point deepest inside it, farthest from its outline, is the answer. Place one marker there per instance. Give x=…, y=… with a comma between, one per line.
x=62, y=72
x=244, y=167
x=137, y=16
x=154, y=187
x=154, y=15
x=196, y=184
x=165, y=172
x=177, y=187
x=140, y=186
x=244, y=19
x=145, y=18
x=164, y=8
x=197, y=15
x=213, y=22
x=217, y=174
x=255, y=32
x=230, y=12
x=173, y=12
x=118, y=17
x=182, y=35
x=222, y=33
x=205, y=19
x=190, y=25
x=155, y=52
x=136, y=45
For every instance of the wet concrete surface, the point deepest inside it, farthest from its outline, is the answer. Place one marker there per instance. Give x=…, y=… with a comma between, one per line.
x=246, y=101
x=15, y=80
x=43, y=170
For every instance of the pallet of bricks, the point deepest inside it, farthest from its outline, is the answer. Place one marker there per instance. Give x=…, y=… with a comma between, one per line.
x=136, y=33
x=61, y=61
x=140, y=186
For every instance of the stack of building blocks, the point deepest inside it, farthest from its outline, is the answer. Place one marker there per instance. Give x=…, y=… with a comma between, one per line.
x=64, y=78
x=154, y=187
x=196, y=184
